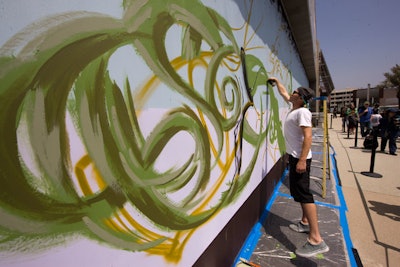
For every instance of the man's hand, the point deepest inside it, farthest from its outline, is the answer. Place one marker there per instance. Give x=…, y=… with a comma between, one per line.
x=281, y=88
x=272, y=81
x=301, y=166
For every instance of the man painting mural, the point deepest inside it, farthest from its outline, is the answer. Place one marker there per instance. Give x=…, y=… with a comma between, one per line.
x=298, y=139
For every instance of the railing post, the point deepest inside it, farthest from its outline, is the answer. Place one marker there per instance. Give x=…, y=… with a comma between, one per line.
x=324, y=150
x=325, y=143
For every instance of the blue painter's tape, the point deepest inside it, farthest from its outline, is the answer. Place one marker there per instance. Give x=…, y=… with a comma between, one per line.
x=328, y=205
x=342, y=214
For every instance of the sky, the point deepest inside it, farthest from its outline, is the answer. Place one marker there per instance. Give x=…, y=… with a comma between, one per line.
x=360, y=40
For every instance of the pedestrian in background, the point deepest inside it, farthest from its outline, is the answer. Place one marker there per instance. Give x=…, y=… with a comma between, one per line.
x=375, y=109
x=375, y=117
x=343, y=115
x=352, y=118
x=371, y=140
x=364, y=114
x=298, y=139
x=389, y=131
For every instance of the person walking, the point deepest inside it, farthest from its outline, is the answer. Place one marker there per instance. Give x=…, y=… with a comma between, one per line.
x=375, y=109
x=389, y=131
x=335, y=112
x=343, y=115
x=364, y=114
x=374, y=122
x=352, y=118
x=298, y=138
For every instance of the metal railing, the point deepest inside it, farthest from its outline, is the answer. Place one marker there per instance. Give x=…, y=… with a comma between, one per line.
x=322, y=118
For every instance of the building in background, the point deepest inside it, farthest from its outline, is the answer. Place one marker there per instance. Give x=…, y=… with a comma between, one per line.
x=341, y=98
x=386, y=97
x=366, y=94
x=389, y=97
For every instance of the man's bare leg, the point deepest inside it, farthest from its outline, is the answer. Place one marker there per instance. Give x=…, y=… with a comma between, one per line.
x=310, y=217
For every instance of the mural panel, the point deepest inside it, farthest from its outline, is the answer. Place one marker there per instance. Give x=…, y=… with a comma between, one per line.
x=132, y=132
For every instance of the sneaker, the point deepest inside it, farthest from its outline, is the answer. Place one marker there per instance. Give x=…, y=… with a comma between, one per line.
x=309, y=250
x=300, y=227
x=393, y=153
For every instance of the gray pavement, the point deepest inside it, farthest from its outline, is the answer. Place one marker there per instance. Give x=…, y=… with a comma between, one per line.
x=373, y=203
x=359, y=218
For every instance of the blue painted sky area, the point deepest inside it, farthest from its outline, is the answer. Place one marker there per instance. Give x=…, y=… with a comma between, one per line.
x=360, y=40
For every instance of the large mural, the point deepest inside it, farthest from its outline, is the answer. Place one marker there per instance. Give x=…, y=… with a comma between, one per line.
x=132, y=132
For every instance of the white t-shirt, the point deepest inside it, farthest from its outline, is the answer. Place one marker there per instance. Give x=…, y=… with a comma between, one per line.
x=375, y=119
x=293, y=131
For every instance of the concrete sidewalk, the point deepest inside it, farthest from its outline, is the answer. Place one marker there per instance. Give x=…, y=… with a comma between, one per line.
x=373, y=203
x=359, y=218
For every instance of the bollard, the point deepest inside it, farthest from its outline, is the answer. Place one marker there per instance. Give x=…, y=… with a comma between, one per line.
x=371, y=172
x=356, y=135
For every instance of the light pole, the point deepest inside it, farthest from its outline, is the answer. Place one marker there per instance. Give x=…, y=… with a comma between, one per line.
x=369, y=87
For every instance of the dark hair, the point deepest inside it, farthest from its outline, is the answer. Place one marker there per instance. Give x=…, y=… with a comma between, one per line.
x=306, y=93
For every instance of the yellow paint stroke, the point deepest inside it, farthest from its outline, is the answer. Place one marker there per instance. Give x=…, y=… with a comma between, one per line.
x=150, y=234
x=246, y=28
x=81, y=165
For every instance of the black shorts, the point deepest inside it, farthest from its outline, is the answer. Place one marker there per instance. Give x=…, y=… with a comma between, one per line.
x=300, y=182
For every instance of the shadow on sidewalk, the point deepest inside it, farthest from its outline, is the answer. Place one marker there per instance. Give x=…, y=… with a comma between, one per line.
x=387, y=210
